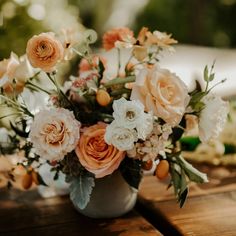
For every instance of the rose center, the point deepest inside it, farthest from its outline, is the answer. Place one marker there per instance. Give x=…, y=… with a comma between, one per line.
x=130, y=115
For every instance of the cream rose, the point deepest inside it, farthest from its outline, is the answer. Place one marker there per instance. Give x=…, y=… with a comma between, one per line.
x=54, y=133
x=44, y=51
x=161, y=92
x=95, y=154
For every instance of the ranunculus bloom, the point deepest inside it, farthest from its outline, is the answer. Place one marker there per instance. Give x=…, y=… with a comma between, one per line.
x=123, y=34
x=95, y=154
x=212, y=118
x=54, y=133
x=44, y=51
x=161, y=92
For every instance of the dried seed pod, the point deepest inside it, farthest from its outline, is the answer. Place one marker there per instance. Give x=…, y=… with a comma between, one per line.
x=27, y=181
x=162, y=169
x=103, y=97
x=35, y=177
x=147, y=165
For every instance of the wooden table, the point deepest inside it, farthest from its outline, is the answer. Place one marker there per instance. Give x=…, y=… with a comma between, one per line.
x=210, y=210
x=25, y=214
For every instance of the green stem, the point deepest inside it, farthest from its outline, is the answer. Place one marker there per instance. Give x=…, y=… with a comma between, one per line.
x=119, y=64
x=53, y=80
x=37, y=87
x=119, y=80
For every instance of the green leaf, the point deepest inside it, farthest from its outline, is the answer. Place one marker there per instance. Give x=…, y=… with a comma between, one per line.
x=211, y=77
x=189, y=143
x=192, y=173
x=205, y=74
x=131, y=171
x=183, y=197
x=41, y=181
x=101, y=69
x=80, y=189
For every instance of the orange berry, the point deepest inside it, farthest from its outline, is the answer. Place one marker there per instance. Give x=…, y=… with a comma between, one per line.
x=103, y=97
x=147, y=165
x=162, y=169
x=27, y=181
x=35, y=177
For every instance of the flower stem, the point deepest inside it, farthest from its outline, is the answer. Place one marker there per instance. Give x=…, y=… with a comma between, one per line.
x=119, y=80
x=37, y=87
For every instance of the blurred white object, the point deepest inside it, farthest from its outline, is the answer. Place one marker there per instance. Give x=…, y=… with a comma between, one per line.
x=3, y=135
x=55, y=187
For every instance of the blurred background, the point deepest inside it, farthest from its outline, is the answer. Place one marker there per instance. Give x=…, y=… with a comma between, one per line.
x=197, y=22
x=209, y=24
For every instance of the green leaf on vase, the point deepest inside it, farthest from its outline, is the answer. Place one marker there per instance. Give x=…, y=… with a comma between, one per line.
x=81, y=188
x=131, y=171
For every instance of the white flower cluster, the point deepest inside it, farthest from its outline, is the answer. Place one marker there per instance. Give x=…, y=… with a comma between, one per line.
x=155, y=144
x=130, y=124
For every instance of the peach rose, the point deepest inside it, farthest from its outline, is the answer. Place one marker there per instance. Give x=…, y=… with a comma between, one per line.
x=161, y=92
x=95, y=154
x=54, y=133
x=44, y=51
x=118, y=34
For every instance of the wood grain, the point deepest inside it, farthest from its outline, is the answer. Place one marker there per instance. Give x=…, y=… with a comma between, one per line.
x=24, y=213
x=210, y=209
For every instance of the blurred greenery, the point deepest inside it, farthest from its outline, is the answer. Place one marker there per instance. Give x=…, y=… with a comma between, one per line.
x=199, y=22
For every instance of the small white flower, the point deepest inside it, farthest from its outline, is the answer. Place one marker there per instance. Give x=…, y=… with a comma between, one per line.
x=212, y=118
x=120, y=137
x=54, y=133
x=145, y=127
x=128, y=113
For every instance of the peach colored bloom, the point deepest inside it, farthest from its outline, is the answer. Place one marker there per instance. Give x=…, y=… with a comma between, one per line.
x=44, y=51
x=114, y=35
x=95, y=154
x=161, y=92
x=85, y=65
x=54, y=133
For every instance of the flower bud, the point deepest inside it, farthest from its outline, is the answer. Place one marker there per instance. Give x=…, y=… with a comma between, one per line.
x=162, y=169
x=103, y=97
x=27, y=181
x=147, y=165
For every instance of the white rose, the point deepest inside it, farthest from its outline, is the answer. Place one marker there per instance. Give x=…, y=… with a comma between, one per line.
x=128, y=113
x=212, y=118
x=54, y=133
x=120, y=137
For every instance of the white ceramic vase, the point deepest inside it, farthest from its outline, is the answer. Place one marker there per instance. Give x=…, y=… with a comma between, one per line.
x=111, y=197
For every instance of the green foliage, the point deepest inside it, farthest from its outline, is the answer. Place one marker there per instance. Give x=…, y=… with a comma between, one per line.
x=197, y=22
x=81, y=188
x=131, y=171
x=181, y=171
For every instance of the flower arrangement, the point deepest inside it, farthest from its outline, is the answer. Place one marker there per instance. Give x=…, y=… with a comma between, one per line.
x=95, y=123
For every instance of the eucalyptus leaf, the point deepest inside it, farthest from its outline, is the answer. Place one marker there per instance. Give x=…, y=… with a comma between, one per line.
x=205, y=74
x=80, y=189
x=192, y=173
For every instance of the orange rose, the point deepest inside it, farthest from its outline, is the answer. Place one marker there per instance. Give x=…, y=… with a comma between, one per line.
x=95, y=154
x=112, y=36
x=44, y=51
